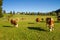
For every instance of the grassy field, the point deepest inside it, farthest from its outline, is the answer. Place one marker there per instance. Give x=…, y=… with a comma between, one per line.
x=28, y=29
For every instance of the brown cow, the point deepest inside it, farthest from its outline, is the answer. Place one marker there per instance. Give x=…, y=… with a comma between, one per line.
x=14, y=22
x=37, y=19
x=50, y=23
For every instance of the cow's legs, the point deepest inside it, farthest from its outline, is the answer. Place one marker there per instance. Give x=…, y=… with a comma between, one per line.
x=16, y=25
x=51, y=28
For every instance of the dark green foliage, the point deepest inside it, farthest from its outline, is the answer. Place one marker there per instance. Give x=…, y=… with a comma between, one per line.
x=57, y=12
x=4, y=12
x=1, y=2
x=13, y=12
x=22, y=13
x=1, y=15
x=58, y=18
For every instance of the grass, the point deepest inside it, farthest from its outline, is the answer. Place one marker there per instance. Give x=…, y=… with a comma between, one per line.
x=28, y=29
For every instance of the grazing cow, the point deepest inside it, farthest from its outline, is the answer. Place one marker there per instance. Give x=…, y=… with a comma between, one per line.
x=37, y=19
x=50, y=23
x=14, y=22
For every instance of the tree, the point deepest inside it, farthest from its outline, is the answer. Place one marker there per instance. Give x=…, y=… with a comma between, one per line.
x=4, y=12
x=57, y=12
x=1, y=2
x=54, y=13
x=32, y=13
x=13, y=12
x=1, y=15
x=22, y=13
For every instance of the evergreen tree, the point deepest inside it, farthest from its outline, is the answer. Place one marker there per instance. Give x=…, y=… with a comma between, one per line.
x=1, y=15
x=4, y=12
x=13, y=12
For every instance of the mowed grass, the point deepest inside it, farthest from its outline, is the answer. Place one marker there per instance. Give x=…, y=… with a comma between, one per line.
x=28, y=29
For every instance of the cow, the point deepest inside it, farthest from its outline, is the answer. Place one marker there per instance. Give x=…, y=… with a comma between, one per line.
x=37, y=19
x=14, y=22
x=50, y=23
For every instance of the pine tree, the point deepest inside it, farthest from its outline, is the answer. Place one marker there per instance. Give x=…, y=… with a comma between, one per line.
x=1, y=15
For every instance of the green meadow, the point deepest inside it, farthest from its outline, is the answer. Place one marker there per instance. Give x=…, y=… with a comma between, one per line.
x=28, y=29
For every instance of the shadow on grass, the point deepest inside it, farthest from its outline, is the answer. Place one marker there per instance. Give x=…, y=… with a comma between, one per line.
x=31, y=23
x=57, y=21
x=6, y=26
x=37, y=28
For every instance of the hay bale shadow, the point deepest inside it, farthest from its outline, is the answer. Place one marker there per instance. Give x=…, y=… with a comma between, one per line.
x=37, y=28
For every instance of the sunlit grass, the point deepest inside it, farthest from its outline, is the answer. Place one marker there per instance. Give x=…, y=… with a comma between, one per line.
x=28, y=29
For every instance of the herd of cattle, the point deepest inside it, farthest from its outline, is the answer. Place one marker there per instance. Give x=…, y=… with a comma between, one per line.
x=49, y=22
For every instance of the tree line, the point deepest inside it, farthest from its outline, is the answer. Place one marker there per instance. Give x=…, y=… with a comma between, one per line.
x=53, y=13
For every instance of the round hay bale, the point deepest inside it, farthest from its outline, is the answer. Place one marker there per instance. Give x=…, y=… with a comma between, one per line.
x=37, y=19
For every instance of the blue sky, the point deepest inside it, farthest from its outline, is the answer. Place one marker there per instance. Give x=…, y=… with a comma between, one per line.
x=31, y=5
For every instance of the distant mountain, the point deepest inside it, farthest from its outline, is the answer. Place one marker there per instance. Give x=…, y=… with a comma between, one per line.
x=57, y=11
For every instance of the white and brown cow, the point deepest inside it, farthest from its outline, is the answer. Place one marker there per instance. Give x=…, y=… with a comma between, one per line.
x=14, y=22
x=50, y=23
